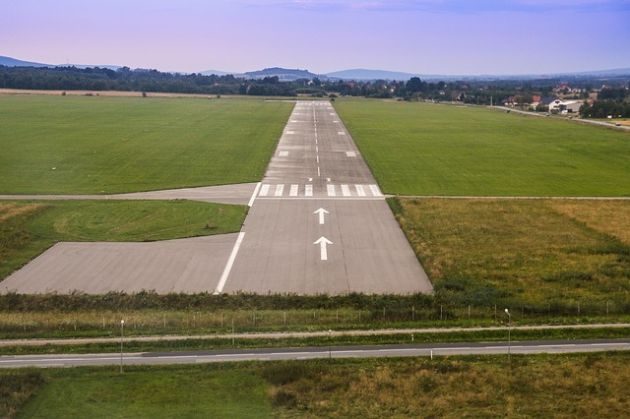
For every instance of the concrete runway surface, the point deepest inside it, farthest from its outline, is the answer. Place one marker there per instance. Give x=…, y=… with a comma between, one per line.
x=183, y=265
x=337, y=352
x=319, y=224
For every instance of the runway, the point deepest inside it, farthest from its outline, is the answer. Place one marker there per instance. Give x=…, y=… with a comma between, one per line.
x=319, y=223
x=337, y=352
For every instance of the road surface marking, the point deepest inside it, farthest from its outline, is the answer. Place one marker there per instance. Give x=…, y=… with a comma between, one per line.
x=332, y=114
x=264, y=190
x=360, y=190
x=375, y=190
x=279, y=190
x=251, y=200
x=283, y=153
x=230, y=263
x=341, y=133
x=294, y=190
x=290, y=132
x=322, y=214
x=336, y=122
x=345, y=190
x=331, y=190
x=351, y=154
x=308, y=190
x=323, y=242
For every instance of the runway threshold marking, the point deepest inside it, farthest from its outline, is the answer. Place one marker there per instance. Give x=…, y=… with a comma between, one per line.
x=294, y=190
x=330, y=189
x=375, y=190
x=264, y=190
x=345, y=190
x=279, y=190
x=308, y=190
x=229, y=264
x=360, y=190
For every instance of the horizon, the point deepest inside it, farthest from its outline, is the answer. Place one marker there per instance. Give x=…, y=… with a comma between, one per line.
x=502, y=38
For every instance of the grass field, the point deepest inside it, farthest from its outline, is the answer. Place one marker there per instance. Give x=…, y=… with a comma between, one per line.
x=533, y=386
x=428, y=149
x=529, y=251
x=54, y=144
x=29, y=228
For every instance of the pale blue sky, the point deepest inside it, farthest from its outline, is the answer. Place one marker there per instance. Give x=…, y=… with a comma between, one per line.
x=423, y=36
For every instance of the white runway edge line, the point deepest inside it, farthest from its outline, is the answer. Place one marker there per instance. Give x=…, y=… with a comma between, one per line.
x=253, y=198
x=230, y=263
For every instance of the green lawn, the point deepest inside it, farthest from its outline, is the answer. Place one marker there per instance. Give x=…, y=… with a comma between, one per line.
x=429, y=149
x=168, y=392
x=29, y=228
x=55, y=144
x=532, y=252
x=485, y=386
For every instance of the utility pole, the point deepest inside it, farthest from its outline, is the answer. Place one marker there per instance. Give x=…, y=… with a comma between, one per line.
x=122, y=329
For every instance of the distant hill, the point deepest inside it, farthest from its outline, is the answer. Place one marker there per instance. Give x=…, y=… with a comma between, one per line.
x=360, y=74
x=12, y=62
x=217, y=73
x=284, y=74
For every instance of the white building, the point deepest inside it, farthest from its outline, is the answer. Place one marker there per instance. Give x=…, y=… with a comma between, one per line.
x=565, y=106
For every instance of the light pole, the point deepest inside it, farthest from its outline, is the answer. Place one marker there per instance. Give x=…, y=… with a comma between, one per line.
x=122, y=329
x=509, y=334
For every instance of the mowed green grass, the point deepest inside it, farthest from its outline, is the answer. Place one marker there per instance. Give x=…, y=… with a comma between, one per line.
x=452, y=387
x=166, y=392
x=29, y=228
x=55, y=144
x=430, y=149
x=530, y=252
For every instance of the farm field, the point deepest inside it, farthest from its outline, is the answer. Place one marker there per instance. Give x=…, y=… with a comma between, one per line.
x=533, y=252
x=534, y=386
x=28, y=228
x=429, y=149
x=77, y=145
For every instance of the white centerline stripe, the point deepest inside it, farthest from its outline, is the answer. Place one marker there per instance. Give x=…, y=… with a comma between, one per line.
x=345, y=190
x=308, y=190
x=251, y=200
x=294, y=190
x=279, y=190
x=264, y=190
x=331, y=190
x=360, y=190
x=230, y=263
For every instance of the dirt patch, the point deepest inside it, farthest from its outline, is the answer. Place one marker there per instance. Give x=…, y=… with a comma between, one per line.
x=609, y=217
x=10, y=210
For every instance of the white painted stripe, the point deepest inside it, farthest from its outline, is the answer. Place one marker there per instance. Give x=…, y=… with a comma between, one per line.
x=331, y=190
x=336, y=122
x=351, y=154
x=308, y=190
x=230, y=263
x=294, y=120
x=375, y=190
x=283, y=153
x=279, y=190
x=345, y=190
x=360, y=190
x=341, y=133
x=294, y=190
x=264, y=190
x=251, y=200
x=332, y=114
x=290, y=132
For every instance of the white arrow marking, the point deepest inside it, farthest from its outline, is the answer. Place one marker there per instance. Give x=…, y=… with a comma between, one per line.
x=322, y=214
x=323, y=242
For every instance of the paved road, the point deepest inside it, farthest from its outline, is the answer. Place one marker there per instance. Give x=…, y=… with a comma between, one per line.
x=302, y=335
x=278, y=354
x=319, y=223
x=224, y=194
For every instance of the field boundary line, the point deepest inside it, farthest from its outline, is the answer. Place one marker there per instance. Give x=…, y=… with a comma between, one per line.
x=315, y=334
x=540, y=198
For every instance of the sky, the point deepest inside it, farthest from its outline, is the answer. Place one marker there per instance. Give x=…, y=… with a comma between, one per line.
x=453, y=37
